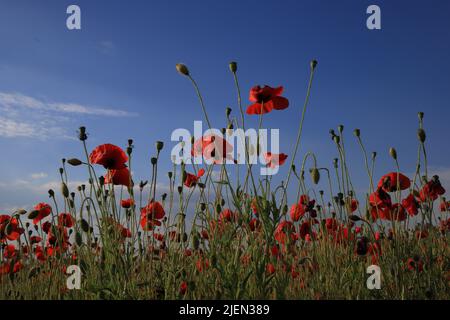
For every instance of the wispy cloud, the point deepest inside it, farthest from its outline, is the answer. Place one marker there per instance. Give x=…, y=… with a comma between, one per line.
x=25, y=116
x=107, y=47
x=38, y=175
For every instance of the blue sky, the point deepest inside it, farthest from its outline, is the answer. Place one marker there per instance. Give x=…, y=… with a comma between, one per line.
x=117, y=77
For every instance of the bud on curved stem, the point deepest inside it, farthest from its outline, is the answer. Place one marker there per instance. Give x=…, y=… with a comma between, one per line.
x=182, y=69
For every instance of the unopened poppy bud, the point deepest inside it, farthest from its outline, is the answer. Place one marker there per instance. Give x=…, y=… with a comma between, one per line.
x=180, y=189
x=230, y=127
x=332, y=133
x=374, y=155
x=393, y=153
x=51, y=193
x=33, y=214
x=61, y=170
x=195, y=241
x=315, y=175
x=421, y=135
x=101, y=180
x=74, y=162
x=337, y=139
x=181, y=68
x=233, y=66
x=159, y=145
x=354, y=218
x=285, y=209
x=335, y=162
x=130, y=142
x=153, y=160
x=201, y=185
x=313, y=64
x=420, y=115
x=357, y=132
x=129, y=150
x=321, y=192
x=164, y=196
x=64, y=190
x=228, y=111
x=222, y=202
x=202, y=206
x=340, y=128
x=218, y=208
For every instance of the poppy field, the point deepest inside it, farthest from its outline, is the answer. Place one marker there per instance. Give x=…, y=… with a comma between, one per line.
x=218, y=235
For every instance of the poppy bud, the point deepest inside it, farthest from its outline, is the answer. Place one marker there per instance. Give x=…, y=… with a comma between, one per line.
x=393, y=153
x=61, y=170
x=222, y=202
x=321, y=192
x=332, y=133
x=374, y=155
x=340, y=128
x=201, y=185
x=285, y=209
x=313, y=64
x=101, y=180
x=230, y=127
x=182, y=69
x=84, y=225
x=51, y=193
x=357, y=132
x=315, y=175
x=354, y=218
x=335, y=162
x=153, y=160
x=33, y=214
x=420, y=115
x=64, y=190
x=228, y=111
x=159, y=145
x=421, y=135
x=361, y=246
x=82, y=134
x=337, y=139
x=233, y=66
x=218, y=208
x=21, y=211
x=129, y=150
x=202, y=206
x=180, y=189
x=170, y=174
x=195, y=241
x=74, y=162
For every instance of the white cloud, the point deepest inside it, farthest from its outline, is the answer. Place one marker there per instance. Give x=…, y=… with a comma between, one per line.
x=107, y=47
x=38, y=175
x=25, y=116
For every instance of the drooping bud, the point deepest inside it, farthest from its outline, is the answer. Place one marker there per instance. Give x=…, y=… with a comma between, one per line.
x=354, y=218
x=340, y=128
x=335, y=162
x=315, y=175
x=74, y=162
x=51, y=193
x=313, y=64
x=182, y=69
x=33, y=214
x=233, y=66
x=393, y=153
x=421, y=135
x=357, y=132
x=420, y=115
x=228, y=111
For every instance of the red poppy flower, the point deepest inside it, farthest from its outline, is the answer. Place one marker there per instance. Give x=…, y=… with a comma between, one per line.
x=305, y=229
x=118, y=177
x=192, y=179
x=389, y=182
x=414, y=264
x=254, y=224
x=109, y=156
x=270, y=269
x=127, y=203
x=35, y=239
x=411, y=205
x=304, y=205
x=183, y=287
x=274, y=160
x=283, y=230
x=66, y=220
x=331, y=224
x=9, y=251
x=202, y=264
x=212, y=147
x=9, y=228
x=266, y=99
x=44, y=210
x=444, y=206
x=431, y=190
x=421, y=234
x=353, y=205
x=150, y=215
x=227, y=215
x=204, y=234
x=380, y=204
x=158, y=236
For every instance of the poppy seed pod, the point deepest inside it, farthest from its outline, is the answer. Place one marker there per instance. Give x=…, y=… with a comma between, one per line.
x=159, y=145
x=393, y=153
x=421, y=135
x=82, y=134
x=51, y=193
x=357, y=132
x=64, y=190
x=233, y=66
x=153, y=160
x=313, y=64
x=315, y=175
x=182, y=69
x=74, y=162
